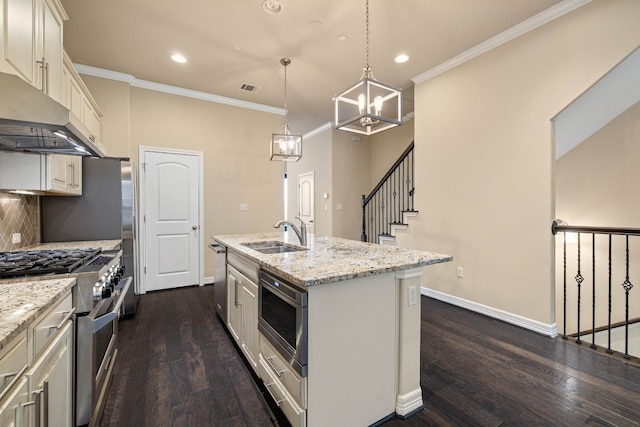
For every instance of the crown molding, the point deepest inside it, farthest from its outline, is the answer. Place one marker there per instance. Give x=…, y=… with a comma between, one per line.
x=174, y=90
x=512, y=33
x=318, y=130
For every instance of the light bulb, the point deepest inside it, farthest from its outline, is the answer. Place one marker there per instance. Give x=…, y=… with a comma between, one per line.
x=377, y=104
x=361, y=102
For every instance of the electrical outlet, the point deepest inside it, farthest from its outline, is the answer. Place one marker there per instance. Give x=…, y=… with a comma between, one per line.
x=413, y=295
x=244, y=207
x=16, y=238
x=460, y=272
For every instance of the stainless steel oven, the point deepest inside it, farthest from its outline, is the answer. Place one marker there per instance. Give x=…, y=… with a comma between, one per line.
x=99, y=295
x=283, y=319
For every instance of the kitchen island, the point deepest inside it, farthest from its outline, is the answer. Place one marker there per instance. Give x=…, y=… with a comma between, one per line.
x=363, y=327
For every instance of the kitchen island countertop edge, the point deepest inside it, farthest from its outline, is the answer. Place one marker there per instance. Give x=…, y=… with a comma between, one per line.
x=328, y=259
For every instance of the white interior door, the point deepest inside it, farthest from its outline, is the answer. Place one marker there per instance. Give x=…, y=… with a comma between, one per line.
x=172, y=190
x=306, y=190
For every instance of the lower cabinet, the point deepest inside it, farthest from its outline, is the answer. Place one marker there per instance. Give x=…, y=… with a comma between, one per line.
x=285, y=386
x=36, y=372
x=15, y=407
x=243, y=313
x=50, y=381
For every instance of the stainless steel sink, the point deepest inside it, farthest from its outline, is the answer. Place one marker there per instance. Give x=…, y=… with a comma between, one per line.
x=273, y=247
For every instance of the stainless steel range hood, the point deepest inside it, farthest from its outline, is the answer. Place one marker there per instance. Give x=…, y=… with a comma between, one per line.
x=31, y=121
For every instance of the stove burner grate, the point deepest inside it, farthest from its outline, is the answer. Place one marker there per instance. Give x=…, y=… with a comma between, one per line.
x=41, y=262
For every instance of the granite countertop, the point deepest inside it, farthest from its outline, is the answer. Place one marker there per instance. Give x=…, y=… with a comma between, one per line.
x=22, y=302
x=106, y=245
x=329, y=259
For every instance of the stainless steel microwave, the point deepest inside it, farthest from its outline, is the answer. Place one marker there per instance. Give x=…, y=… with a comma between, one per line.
x=283, y=319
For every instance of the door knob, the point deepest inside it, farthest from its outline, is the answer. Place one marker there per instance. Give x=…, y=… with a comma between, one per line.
x=195, y=227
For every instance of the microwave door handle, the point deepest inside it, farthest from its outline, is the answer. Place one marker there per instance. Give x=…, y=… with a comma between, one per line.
x=104, y=320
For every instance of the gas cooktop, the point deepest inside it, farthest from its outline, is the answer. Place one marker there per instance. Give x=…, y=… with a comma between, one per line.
x=40, y=262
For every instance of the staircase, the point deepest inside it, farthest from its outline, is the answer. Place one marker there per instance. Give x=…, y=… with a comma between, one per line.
x=387, y=208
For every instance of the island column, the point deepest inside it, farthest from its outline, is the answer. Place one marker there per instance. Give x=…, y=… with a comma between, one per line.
x=409, y=395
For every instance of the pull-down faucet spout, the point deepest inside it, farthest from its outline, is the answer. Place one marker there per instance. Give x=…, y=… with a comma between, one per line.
x=301, y=233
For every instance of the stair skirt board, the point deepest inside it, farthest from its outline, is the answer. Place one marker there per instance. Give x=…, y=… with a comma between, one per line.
x=551, y=330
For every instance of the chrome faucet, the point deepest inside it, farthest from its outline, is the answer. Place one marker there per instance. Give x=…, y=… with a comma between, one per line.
x=301, y=233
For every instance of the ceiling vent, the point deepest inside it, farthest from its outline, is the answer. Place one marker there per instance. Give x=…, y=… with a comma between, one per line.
x=249, y=87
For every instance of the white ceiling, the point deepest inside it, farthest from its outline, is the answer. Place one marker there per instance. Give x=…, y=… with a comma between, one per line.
x=228, y=43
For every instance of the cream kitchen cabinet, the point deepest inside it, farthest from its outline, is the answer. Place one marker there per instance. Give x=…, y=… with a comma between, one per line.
x=242, y=295
x=15, y=406
x=54, y=174
x=64, y=174
x=32, y=42
x=51, y=380
x=36, y=371
x=77, y=98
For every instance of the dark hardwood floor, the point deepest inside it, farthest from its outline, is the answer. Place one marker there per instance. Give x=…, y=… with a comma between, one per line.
x=178, y=367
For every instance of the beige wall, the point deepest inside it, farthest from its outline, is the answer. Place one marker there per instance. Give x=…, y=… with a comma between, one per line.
x=316, y=158
x=386, y=148
x=485, y=154
x=350, y=174
x=597, y=184
x=234, y=143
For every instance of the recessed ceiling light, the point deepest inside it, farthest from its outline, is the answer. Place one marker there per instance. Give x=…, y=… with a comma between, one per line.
x=272, y=7
x=316, y=25
x=402, y=58
x=342, y=37
x=178, y=58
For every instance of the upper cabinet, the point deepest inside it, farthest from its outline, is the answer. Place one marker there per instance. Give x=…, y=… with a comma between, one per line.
x=50, y=174
x=32, y=41
x=77, y=98
x=31, y=47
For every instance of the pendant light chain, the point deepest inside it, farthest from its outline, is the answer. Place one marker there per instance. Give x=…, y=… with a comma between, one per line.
x=367, y=33
x=285, y=62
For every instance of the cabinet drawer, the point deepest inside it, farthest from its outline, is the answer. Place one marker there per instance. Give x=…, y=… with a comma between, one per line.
x=294, y=384
x=243, y=265
x=13, y=362
x=49, y=325
x=296, y=415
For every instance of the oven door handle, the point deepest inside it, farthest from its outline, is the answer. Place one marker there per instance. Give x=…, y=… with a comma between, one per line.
x=102, y=321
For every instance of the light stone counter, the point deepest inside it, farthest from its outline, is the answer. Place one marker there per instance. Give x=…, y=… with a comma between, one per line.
x=22, y=303
x=105, y=245
x=329, y=259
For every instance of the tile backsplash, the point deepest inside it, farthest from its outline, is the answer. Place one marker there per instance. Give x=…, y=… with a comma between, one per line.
x=19, y=213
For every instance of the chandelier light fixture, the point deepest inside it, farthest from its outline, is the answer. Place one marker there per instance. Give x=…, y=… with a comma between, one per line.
x=285, y=146
x=368, y=107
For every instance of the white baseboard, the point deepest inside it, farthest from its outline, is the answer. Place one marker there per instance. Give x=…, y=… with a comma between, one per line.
x=208, y=280
x=550, y=330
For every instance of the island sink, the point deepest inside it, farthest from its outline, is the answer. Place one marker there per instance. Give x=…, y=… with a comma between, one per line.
x=273, y=247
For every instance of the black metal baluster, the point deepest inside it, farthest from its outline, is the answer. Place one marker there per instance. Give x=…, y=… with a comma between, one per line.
x=610, y=303
x=363, y=233
x=627, y=285
x=593, y=290
x=564, y=285
x=579, y=280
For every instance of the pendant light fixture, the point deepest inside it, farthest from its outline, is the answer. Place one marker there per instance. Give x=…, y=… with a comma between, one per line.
x=285, y=146
x=368, y=107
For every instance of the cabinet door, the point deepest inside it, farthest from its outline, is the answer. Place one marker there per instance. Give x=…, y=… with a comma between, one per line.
x=49, y=49
x=74, y=183
x=51, y=380
x=15, y=407
x=19, y=34
x=234, y=303
x=250, y=321
x=57, y=170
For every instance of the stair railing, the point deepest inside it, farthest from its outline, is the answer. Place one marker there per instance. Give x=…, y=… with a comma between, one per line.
x=392, y=196
x=616, y=243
